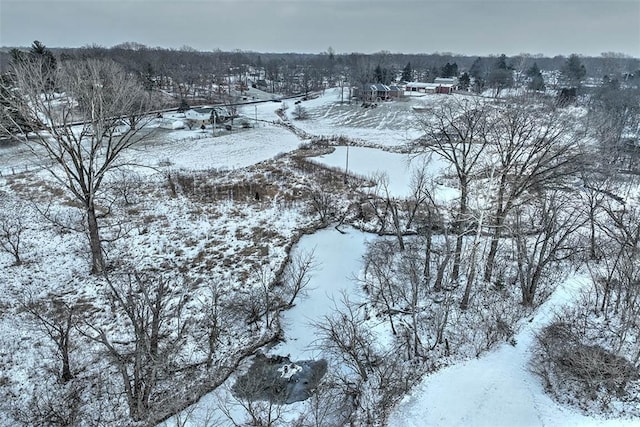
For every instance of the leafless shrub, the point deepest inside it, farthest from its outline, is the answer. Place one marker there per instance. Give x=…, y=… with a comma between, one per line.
x=300, y=113
x=52, y=405
x=579, y=372
x=13, y=224
x=126, y=186
x=323, y=203
x=153, y=334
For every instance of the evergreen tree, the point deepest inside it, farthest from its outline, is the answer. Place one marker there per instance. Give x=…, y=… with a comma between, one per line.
x=536, y=82
x=501, y=63
x=477, y=70
x=479, y=74
x=574, y=71
x=533, y=71
x=464, y=81
x=147, y=77
x=501, y=76
x=407, y=73
x=40, y=51
x=377, y=74
x=449, y=70
x=383, y=75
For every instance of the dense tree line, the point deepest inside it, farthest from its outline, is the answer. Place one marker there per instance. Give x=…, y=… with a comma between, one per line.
x=188, y=72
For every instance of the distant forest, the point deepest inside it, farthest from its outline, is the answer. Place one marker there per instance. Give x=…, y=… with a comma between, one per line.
x=296, y=72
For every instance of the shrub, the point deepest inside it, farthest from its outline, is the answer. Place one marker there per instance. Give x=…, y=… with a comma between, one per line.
x=582, y=374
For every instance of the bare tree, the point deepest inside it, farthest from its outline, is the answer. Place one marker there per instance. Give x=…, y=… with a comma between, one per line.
x=13, y=224
x=257, y=413
x=614, y=119
x=215, y=314
x=57, y=318
x=532, y=150
x=300, y=113
x=454, y=131
x=323, y=203
x=297, y=275
x=153, y=332
x=543, y=235
x=374, y=378
x=345, y=335
x=617, y=274
x=84, y=129
x=379, y=277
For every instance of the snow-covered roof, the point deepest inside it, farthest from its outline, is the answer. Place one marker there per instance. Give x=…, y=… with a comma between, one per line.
x=376, y=87
x=421, y=85
x=446, y=80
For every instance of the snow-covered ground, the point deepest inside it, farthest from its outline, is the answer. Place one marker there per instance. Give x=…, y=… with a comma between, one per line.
x=390, y=124
x=197, y=150
x=497, y=389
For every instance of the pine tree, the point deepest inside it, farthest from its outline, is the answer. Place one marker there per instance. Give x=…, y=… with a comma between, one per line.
x=574, y=71
x=501, y=63
x=377, y=73
x=537, y=81
x=449, y=70
x=407, y=73
x=464, y=81
x=39, y=52
x=533, y=71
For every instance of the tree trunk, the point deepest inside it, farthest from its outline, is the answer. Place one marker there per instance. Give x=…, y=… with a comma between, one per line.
x=426, y=272
x=97, y=259
x=64, y=350
x=459, y=228
x=455, y=273
x=491, y=257
x=501, y=212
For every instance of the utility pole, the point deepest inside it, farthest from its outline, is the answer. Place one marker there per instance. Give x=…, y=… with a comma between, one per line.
x=346, y=168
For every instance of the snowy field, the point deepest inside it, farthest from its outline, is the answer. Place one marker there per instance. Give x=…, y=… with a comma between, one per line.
x=197, y=150
x=390, y=124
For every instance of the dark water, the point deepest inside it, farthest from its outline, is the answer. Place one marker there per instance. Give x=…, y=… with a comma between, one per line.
x=279, y=380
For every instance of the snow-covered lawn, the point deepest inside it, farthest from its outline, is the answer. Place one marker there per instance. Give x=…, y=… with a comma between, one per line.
x=197, y=150
x=390, y=124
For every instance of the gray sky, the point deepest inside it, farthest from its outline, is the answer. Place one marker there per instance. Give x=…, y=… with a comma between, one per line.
x=474, y=27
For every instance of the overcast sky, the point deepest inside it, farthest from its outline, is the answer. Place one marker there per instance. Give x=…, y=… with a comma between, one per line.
x=474, y=27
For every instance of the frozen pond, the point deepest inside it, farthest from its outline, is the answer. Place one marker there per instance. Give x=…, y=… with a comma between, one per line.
x=399, y=169
x=338, y=260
